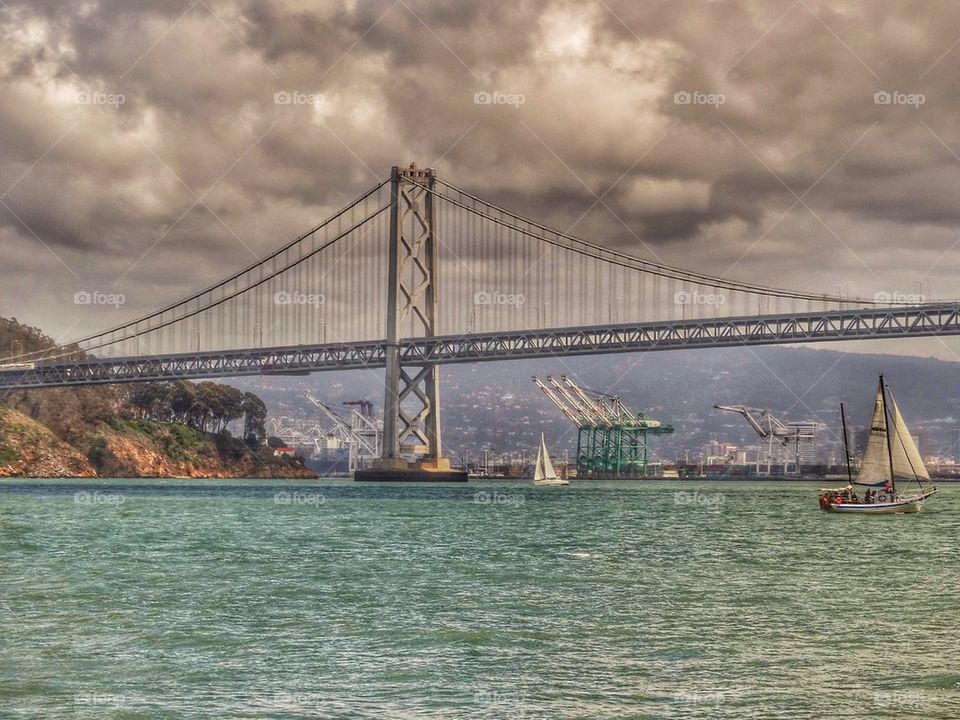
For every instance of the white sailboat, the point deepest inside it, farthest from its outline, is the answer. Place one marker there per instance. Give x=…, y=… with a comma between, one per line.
x=890, y=455
x=544, y=474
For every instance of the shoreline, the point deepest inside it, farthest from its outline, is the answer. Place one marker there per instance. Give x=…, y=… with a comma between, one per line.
x=474, y=481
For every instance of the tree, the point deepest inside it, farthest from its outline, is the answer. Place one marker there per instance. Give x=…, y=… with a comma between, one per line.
x=230, y=408
x=207, y=406
x=254, y=419
x=181, y=401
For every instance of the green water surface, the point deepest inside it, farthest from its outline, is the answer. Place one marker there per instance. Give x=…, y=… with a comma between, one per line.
x=261, y=599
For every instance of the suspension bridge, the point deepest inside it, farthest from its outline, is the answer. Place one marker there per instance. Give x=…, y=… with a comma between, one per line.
x=417, y=273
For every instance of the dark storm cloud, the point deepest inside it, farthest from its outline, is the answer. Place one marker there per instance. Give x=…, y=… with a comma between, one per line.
x=197, y=171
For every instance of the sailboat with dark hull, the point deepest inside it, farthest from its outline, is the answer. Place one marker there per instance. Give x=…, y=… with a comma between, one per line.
x=891, y=456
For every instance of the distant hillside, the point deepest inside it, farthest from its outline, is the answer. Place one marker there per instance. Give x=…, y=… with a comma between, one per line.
x=497, y=405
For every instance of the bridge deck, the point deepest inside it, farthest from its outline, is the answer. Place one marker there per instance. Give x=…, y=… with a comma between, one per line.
x=914, y=321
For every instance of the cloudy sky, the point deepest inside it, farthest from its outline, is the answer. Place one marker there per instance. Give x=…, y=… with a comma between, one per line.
x=803, y=144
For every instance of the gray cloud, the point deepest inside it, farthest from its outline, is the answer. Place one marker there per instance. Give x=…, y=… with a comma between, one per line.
x=708, y=187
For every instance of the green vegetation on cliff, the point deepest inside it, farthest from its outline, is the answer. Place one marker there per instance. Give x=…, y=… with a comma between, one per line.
x=161, y=429
x=28, y=448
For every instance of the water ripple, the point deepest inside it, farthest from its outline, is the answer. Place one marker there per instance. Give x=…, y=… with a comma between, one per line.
x=249, y=599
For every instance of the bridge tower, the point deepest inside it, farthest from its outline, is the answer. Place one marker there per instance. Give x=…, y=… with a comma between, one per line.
x=411, y=408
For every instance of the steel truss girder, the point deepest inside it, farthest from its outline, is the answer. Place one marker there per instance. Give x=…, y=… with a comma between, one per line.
x=917, y=321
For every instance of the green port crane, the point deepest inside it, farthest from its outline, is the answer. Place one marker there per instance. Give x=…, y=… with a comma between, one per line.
x=611, y=439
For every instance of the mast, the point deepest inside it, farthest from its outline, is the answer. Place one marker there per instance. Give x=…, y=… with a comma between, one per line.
x=886, y=426
x=846, y=446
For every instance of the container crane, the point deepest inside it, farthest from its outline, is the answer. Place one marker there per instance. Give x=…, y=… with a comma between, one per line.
x=366, y=406
x=611, y=440
x=363, y=435
x=772, y=429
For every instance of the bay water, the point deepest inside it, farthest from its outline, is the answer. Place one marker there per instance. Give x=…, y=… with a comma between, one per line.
x=273, y=599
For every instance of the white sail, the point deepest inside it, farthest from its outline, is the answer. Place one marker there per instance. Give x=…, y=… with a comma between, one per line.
x=875, y=466
x=548, y=472
x=907, y=462
x=538, y=469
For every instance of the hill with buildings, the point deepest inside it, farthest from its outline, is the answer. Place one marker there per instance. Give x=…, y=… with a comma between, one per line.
x=495, y=405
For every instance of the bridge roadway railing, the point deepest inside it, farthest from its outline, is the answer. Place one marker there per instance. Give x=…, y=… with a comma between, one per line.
x=869, y=323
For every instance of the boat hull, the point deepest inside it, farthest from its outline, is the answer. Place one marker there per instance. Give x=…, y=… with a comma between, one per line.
x=543, y=483
x=907, y=505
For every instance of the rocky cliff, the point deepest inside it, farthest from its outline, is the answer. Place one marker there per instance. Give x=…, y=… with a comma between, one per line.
x=133, y=448
x=30, y=449
x=113, y=431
